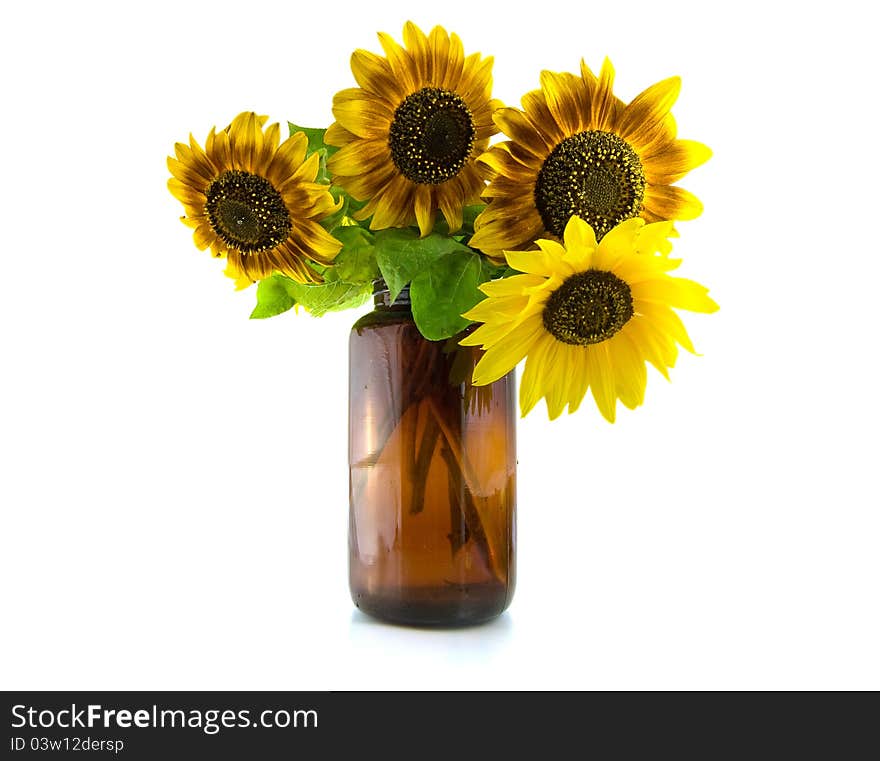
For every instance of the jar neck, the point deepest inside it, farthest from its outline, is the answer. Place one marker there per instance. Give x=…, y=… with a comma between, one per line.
x=382, y=297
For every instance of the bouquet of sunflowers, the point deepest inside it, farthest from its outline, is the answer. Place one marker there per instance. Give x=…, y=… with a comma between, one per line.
x=552, y=245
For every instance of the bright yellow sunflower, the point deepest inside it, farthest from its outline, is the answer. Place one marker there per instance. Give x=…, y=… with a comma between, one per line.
x=254, y=201
x=576, y=149
x=586, y=315
x=410, y=134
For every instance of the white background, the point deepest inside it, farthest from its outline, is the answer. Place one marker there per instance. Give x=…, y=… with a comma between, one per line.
x=174, y=484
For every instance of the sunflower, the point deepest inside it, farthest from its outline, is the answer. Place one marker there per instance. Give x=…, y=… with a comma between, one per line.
x=576, y=149
x=254, y=201
x=586, y=315
x=410, y=134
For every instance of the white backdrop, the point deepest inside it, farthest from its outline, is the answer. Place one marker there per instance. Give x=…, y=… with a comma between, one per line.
x=174, y=489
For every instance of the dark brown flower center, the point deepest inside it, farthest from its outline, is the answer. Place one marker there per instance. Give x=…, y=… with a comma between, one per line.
x=588, y=308
x=594, y=175
x=246, y=212
x=431, y=136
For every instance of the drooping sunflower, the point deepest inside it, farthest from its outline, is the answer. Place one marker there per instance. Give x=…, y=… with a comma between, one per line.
x=254, y=201
x=586, y=315
x=576, y=149
x=410, y=134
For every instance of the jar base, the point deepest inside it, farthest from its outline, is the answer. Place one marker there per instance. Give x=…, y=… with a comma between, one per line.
x=450, y=606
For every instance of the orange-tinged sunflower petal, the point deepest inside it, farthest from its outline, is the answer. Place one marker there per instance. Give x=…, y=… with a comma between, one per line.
x=561, y=95
x=247, y=165
x=380, y=125
x=672, y=202
x=516, y=125
x=374, y=75
x=604, y=103
x=554, y=130
x=364, y=117
x=399, y=61
x=417, y=45
x=675, y=161
x=642, y=119
x=424, y=208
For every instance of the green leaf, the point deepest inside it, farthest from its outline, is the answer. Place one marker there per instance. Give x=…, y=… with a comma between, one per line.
x=316, y=139
x=273, y=297
x=442, y=292
x=343, y=215
x=316, y=145
x=330, y=296
x=402, y=255
x=356, y=262
x=469, y=215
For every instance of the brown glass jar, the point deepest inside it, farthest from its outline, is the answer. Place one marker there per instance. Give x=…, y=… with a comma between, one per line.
x=432, y=461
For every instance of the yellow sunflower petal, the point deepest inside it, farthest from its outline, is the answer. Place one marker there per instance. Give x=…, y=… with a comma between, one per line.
x=602, y=380
x=630, y=376
x=503, y=308
x=531, y=387
x=653, y=345
x=560, y=358
x=501, y=358
x=667, y=321
x=242, y=281
x=617, y=244
x=579, y=235
x=511, y=286
x=677, y=292
x=580, y=379
x=540, y=262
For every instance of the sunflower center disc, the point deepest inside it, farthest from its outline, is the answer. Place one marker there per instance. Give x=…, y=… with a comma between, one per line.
x=246, y=212
x=588, y=308
x=594, y=175
x=431, y=136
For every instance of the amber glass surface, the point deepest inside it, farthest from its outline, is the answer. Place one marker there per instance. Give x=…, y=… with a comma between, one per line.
x=433, y=468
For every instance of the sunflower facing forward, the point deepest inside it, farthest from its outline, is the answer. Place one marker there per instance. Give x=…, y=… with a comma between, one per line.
x=410, y=134
x=576, y=149
x=254, y=201
x=586, y=315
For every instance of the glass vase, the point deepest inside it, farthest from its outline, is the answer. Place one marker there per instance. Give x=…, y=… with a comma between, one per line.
x=432, y=459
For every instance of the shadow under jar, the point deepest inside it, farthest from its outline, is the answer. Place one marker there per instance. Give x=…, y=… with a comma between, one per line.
x=432, y=475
